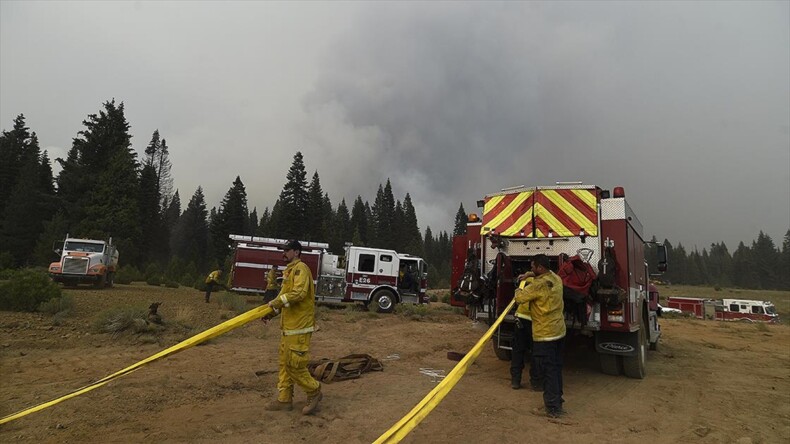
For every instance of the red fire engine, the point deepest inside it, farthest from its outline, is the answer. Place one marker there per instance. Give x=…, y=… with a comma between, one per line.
x=376, y=277
x=726, y=309
x=577, y=226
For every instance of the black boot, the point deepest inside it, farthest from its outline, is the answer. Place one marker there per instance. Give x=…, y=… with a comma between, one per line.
x=515, y=382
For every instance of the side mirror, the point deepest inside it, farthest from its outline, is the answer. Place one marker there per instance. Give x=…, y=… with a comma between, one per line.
x=661, y=250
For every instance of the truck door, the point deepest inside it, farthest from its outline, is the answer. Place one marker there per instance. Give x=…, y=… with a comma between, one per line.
x=363, y=270
x=387, y=265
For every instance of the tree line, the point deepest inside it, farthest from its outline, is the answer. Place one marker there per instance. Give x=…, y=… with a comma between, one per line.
x=761, y=265
x=103, y=190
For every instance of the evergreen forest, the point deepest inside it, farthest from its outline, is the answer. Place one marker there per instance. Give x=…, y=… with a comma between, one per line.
x=105, y=189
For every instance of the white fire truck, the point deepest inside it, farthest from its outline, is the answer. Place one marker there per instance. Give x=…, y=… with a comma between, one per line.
x=84, y=260
x=376, y=277
x=579, y=227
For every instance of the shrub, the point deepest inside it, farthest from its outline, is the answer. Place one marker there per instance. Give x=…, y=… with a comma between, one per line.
x=446, y=298
x=119, y=319
x=231, y=301
x=6, y=260
x=26, y=290
x=63, y=304
x=152, y=270
x=171, y=284
x=128, y=274
x=412, y=311
x=154, y=280
x=200, y=284
x=434, y=298
x=187, y=280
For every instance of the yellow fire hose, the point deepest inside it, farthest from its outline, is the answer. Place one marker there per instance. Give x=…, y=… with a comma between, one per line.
x=403, y=427
x=213, y=332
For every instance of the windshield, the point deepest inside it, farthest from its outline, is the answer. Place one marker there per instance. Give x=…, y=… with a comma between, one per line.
x=84, y=246
x=771, y=310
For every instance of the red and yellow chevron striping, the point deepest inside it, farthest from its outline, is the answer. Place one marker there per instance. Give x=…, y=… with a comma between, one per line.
x=563, y=212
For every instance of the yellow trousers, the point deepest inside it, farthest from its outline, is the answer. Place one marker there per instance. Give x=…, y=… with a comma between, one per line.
x=293, y=358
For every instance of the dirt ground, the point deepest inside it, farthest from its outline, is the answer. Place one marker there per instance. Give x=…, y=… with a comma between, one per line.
x=709, y=382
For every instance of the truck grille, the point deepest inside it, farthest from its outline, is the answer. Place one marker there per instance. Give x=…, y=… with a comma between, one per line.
x=75, y=265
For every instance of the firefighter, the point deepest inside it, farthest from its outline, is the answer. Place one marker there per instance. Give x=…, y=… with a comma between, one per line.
x=544, y=296
x=522, y=341
x=296, y=305
x=272, y=286
x=212, y=280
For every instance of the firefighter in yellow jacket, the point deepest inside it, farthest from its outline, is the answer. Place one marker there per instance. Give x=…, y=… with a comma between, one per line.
x=544, y=296
x=296, y=304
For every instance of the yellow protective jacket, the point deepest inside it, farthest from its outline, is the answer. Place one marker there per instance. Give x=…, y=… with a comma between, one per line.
x=544, y=298
x=296, y=299
x=271, y=280
x=213, y=277
x=523, y=309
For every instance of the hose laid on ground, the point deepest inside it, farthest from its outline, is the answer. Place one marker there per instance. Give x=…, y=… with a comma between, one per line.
x=403, y=427
x=211, y=333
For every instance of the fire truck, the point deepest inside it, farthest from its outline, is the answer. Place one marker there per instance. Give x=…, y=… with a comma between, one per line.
x=580, y=228
x=726, y=309
x=376, y=277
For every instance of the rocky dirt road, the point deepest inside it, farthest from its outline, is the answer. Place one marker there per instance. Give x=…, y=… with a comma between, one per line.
x=710, y=382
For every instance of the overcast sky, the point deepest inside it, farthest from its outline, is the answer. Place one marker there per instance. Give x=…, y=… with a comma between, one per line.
x=686, y=105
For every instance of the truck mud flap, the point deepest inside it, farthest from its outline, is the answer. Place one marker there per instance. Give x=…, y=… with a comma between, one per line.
x=614, y=343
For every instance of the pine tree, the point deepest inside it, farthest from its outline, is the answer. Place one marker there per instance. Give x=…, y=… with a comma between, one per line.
x=264, y=224
x=253, y=224
x=190, y=237
x=25, y=211
x=412, y=237
x=172, y=212
x=232, y=218
x=766, y=258
x=315, y=214
x=429, y=246
x=359, y=222
x=99, y=183
x=112, y=207
x=745, y=272
x=92, y=151
x=460, y=221
x=784, y=262
x=53, y=231
x=151, y=223
x=720, y=265
x=12, y=146
x=398, y=228
x=291, y=222
x=383, y=214
x=342, y=230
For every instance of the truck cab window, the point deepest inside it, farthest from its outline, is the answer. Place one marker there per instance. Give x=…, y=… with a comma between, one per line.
x=385, y=258
x=756, y=309
x=734, y=307
x=367, y=263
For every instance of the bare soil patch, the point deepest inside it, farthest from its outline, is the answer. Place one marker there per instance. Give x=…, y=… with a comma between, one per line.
x=709, y=382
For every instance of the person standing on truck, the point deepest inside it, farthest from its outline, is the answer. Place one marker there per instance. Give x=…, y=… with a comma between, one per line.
x=212, y=280
x=544, y=296
x=296, y=305
x=272, y=286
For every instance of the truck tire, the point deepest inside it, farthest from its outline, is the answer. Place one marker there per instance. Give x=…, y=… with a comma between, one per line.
x=110, y=280
x=383, y=301
x=634, y=366
x=610, y=364
x=101, y=281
